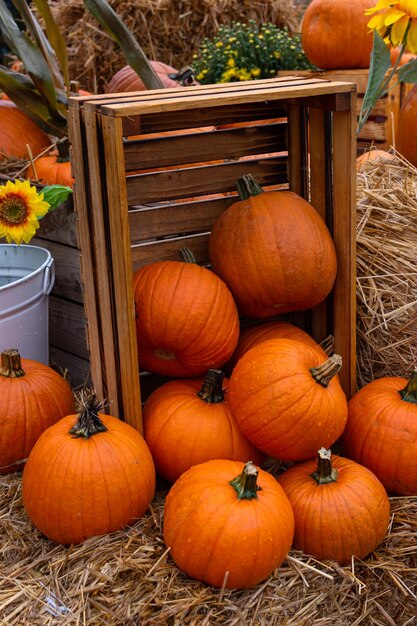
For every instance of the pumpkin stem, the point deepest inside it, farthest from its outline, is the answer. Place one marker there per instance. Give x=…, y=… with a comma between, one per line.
x=409, y=393
x=248, y=187
x=245, y=484
x=63, y=151
x=184, y=77
x=11, y=364
x=89, y=423
x=328, y=345
x=324, y=373
x=186, y=255
x=324, y=473
x=212, y=389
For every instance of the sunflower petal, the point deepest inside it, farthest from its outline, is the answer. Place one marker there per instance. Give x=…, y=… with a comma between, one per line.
x=376, y=22
x=381, y=4
x=398, y=30
x=393, y=16
x=412, y=37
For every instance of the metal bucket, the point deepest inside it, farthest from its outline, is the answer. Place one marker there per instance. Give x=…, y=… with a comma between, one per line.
x=26, y=278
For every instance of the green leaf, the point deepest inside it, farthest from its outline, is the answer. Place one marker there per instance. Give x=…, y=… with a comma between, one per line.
x=56, y=195
x=55, y=37
x=115, y=27
x=408, y=73
x=377, y=81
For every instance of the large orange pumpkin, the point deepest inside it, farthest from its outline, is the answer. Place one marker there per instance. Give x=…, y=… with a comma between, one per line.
x=228, y=523
x=187, y=422
x=87, y=475
x=286, y=398
x=126, y=79
x=32, y=397
x=381, y=432
x=17, y=131
x=273, y=250
x=407, y=127
x=186, y=318
x=335, y=35
x=340, y=509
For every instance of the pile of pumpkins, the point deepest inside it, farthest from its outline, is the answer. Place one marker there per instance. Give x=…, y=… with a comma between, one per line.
x=227, y=521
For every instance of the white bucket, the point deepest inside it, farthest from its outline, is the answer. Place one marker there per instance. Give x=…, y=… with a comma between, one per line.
x=26, y=278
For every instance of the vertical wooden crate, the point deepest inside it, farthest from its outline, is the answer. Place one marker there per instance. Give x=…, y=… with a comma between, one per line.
x=155, y=183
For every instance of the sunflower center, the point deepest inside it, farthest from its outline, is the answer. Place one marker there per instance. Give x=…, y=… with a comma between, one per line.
x=13, y=209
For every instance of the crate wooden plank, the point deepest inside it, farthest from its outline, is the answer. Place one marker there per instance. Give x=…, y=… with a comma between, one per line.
x=77, y=369
x=67, y=270
x=67, y=326
x=60, y=225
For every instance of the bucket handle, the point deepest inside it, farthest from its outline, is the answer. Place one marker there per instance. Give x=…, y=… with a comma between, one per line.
x=49, y=277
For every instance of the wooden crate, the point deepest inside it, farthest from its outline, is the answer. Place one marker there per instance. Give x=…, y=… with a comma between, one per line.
x=141, y=195
x=68, y=349
x=381, y=127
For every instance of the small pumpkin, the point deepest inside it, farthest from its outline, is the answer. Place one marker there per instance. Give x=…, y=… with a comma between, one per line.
x=33, y=396
x=126, y=79
x=286, y=397
x=228, y=523
x=88, y=474
x=407, y=127
x=340, y=508
x=53, y=168
x=335, y=35
x=187, y=422
x=273, y=250
x=186, y=319
x=374, y=155
x=17, y=131
x=381, y=432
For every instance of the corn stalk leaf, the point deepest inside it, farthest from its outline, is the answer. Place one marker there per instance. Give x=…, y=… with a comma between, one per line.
x=134, y=55
x=408, y=73
x=377, y=83
x=57, y=41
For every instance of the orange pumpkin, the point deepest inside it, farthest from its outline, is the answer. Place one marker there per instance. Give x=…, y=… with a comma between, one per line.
x=32, y=397
x=17, y=131
x=286, y=398
x=187, y=422
x=374, y=155
x=340, y=509
x=335, y=35
x=407, y=127
x=273, y=250
x=51, y=170
x=381, y=432
x=87, y=475
x=186, y=318
x=228, y=524
x=126, y=79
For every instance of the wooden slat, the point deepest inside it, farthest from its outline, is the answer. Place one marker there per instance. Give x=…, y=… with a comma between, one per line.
x=67, y=326
x=77, y=368
x=168, y=249
x=67, y=270
x=60, y=225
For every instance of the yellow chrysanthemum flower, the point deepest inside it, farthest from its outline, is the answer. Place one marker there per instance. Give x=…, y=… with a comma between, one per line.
x=21, y=206
x=255, y=71
x=395, y=21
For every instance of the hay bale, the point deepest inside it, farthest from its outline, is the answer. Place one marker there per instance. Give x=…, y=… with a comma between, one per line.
x=167, y=30
x=386, y=269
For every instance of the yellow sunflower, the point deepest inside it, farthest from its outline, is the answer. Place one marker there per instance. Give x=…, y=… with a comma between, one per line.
x=396, y=22
x=21, y=206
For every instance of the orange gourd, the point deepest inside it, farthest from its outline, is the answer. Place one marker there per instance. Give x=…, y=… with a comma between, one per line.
x=17, y=131
x=381, y=432
x=273, y=250
x=340, y=508
x=186, y=318
x=88, y=474
x=407, y=127
x=228, y=524
x=126, y=79
x=50, y=170
x=187, y=422
x=286, y=398
x=335, y=34
x=32, y=397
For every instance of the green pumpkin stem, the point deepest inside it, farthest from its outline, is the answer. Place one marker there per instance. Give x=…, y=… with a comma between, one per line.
x=88, y=423
x=325, y=473
x=248, y=187
x=245, y=484
x=186, y=256
x=11, y=364
x=212, y=389
x=409, y=393
x=328, y=344
x=324, y=373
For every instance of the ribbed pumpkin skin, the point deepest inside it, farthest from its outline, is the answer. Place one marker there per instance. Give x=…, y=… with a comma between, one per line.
x=77, y=488
x=187, y=321
x=51, y=172
x=374, y=155
x=381, y=434
x=211, y=532
x=407, y=125
x=17, y=130
x=127, y=80
x=274, y=252
x=279, y=406
x=28, y=406
x=253, y=335
x=335, y=35
x=337, y=520
x=181, y=429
